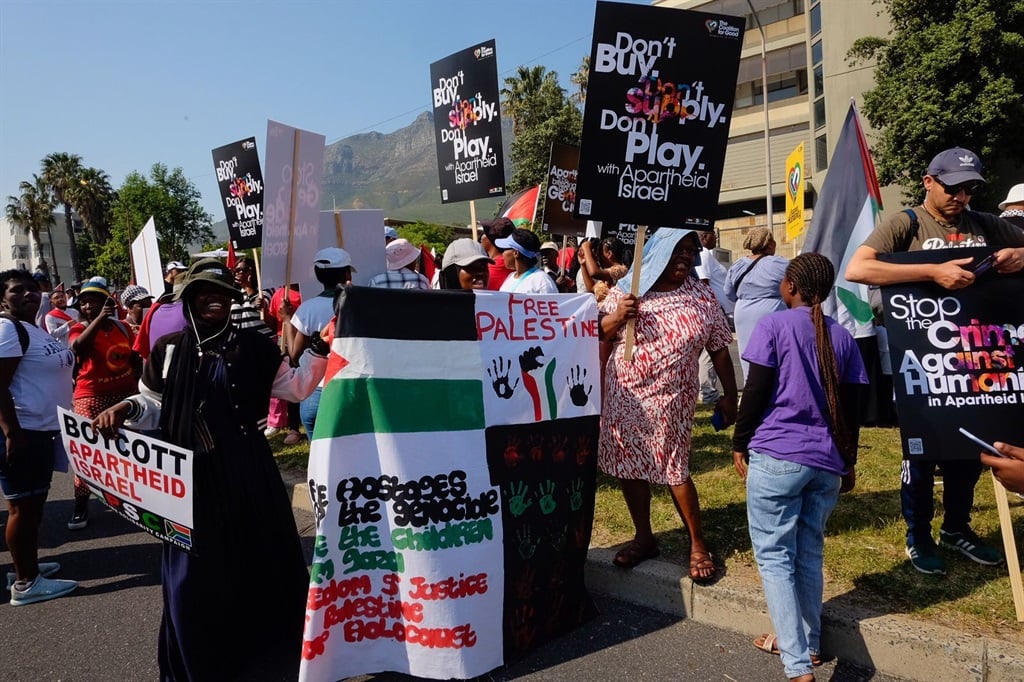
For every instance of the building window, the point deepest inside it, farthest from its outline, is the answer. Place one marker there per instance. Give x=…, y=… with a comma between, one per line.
x=816, y=53
x=18, y=251
x=815, y=20
x=819, y=113
x=781, y=86
x=821, y=152
x=819, y=81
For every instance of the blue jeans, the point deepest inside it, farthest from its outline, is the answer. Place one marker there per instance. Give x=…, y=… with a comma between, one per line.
x=307, y=411
x=787, y=507
x=917, y=496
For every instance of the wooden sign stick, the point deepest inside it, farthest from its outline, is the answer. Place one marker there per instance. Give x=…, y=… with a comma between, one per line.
x=1010, y=547
x=259, y=281
x=339, y=237
x=472, y=217
x=634, y=287
x=561, y=256
x=291, y=227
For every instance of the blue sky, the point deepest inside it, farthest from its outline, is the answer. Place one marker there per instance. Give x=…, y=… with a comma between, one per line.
x=128, y=83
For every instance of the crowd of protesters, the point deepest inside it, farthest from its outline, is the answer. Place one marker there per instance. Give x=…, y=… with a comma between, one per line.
x=215, y=365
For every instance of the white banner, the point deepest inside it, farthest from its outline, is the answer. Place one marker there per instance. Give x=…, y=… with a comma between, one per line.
x=149, y=272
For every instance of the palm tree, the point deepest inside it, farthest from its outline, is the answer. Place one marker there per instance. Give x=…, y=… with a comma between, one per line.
x=521, y=91
x=62, y=172
x=33, y=212
x=91, y=199
x=580, y=78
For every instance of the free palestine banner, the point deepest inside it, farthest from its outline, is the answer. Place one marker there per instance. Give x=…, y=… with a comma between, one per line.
x=956, y=358
x=241, y=189
x=452, y=474
x=656, y=122
x=467, y=124
x=560, y=196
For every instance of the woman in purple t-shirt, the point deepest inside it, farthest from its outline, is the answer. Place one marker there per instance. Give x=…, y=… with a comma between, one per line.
x=797, y=431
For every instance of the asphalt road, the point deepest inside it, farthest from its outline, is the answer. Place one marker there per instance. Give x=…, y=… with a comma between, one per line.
x=107, y=629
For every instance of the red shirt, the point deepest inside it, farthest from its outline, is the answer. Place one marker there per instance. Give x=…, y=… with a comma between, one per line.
x=272, y=318
x=106, y=368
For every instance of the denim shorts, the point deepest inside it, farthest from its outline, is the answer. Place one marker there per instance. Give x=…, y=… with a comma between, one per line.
x=30, y=475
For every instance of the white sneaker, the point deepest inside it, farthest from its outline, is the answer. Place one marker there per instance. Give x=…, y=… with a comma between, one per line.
x=46, y=569
x=41, y=589
x=292, y=438
x=271, y=431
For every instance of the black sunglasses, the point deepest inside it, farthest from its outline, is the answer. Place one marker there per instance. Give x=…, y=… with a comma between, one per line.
x=968, y=188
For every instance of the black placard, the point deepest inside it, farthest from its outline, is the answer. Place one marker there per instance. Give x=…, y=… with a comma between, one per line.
x=467, y=124
x=560, y=191
x=241, y=189
x=656, y=122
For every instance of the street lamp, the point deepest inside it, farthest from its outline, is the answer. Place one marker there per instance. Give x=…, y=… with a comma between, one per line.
x=767, y=128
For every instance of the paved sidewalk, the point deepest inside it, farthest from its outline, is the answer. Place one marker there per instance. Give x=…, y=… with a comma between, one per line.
x=891, y=644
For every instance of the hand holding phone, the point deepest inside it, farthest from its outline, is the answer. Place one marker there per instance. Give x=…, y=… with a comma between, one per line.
x=984, y=265
x=987, y=446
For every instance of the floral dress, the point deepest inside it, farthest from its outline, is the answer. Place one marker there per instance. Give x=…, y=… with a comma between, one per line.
x=649, y=403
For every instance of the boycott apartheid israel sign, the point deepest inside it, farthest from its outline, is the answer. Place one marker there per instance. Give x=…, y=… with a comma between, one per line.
x=560, y=192
x=452, y=472
x=656, y=122
x=145, y=480
x=957, y=358
x=241, y=189
x=467, y=124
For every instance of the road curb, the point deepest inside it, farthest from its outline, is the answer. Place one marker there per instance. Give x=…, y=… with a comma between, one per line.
x=890, y=644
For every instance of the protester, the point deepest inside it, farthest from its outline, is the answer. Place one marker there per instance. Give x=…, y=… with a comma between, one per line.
x=247, y=313
x=712, y=273
x=519, y=251
x=402, y=259
x=549, y=264
x=1012, y=206
x=165, y=316
x=492, y=230
x=333, y=269
x=237, y=603
x=106, y=372
x=797, y=430
x=282, y=414
x=136, y=301
x=752, y=283
x=941, y=222
x=390, y=234
x=649, y=402
x=35, y=379
x=601, y=270
x=171, y=271
x=1008, y=469
x=45, y=287
x=465, y=266
x=59, y=319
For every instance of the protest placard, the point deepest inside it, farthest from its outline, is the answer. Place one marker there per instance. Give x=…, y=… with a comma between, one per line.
x=452, y=474
x=656, y=121
x=956, y=358
x=291, y=207
x=240, y=181
x=149, y=272
x=560, y=192
x=467, y=124
x=361, y=233
x=144, y=480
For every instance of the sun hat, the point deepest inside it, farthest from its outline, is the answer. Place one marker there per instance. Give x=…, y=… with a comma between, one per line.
x=400, y=253
x=212, y=271
x=522, y=240
x=1014, y=196
x=955, y=166
x=133, y=293
x=390, y=232
x=331, y=258
x=175, y=265
x=462, y=252
x=95, y=285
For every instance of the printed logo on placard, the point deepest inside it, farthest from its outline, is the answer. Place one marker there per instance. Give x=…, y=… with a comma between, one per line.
x=585, y=206
x=721, y=28
x=483, y=52
x=444, y=194
x=794, y=180
x=915, y=446
x=248, y=144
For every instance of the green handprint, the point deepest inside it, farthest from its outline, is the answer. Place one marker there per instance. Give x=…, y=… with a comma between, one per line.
x=526, y=545
x=576, y=495
x=518, y=502
x=546, y=495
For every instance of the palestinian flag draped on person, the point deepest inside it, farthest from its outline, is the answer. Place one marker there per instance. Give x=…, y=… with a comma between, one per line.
x=452, y=473
x=846, y=212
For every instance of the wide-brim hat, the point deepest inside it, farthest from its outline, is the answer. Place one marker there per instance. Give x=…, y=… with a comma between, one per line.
x=1014, y=196
x=463, y=252
x=212, y=271
x=400, y=253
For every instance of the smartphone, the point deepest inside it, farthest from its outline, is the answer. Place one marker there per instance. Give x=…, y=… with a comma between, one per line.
x=983, y=265
x=983, y=444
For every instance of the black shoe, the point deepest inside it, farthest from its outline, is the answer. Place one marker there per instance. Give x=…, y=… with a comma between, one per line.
x=79, y=521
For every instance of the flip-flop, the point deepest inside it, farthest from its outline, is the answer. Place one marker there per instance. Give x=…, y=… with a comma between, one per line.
x=634, y=554
x=766, y=643
x=699, y=561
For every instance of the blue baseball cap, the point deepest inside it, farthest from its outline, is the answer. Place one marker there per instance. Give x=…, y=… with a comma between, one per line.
x=955, y=166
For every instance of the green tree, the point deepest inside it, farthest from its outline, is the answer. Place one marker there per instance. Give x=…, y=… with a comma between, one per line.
x=945, y=79
x=431, y=235
x=92, y=199
x=173, y=202
x=62, y=173
x=579, y=79
x=32, y=211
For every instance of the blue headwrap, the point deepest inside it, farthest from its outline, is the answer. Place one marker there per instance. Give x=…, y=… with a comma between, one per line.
x=657, y=253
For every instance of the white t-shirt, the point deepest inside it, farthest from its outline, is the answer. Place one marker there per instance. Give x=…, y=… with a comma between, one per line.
x=715, y=273
x=533, y=281
x=42, y=381
x=313, y=314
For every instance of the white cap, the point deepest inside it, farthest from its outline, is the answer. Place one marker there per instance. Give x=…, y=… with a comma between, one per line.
x=332, y=257
x=175, y=265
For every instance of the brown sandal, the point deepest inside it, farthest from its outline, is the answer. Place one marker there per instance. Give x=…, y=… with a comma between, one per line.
x=766, y=642
x=634, y=554
x=700, y=562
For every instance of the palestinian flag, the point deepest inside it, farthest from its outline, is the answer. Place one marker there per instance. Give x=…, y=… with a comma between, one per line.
x=521, y=207
x=452, y=473
x=846, y=212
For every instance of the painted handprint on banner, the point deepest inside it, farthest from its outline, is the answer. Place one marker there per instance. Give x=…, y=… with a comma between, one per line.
x=512, y=455
x=576, y=494
x=499, y=378
x=578, y=392
x=518, y=501
x=527, y=545
x=546, y=493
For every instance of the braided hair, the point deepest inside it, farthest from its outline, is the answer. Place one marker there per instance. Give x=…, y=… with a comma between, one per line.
x=813, y=275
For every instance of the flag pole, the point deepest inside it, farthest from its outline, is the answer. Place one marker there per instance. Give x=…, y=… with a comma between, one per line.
x=634, y=287
x=291, y=225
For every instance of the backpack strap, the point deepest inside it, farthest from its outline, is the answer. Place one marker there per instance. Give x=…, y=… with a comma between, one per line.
x=20, y=329
x=915, y=226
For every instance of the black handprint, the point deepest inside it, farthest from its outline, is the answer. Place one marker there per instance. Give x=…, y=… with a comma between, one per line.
x=578, y=392
x=499, y=378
